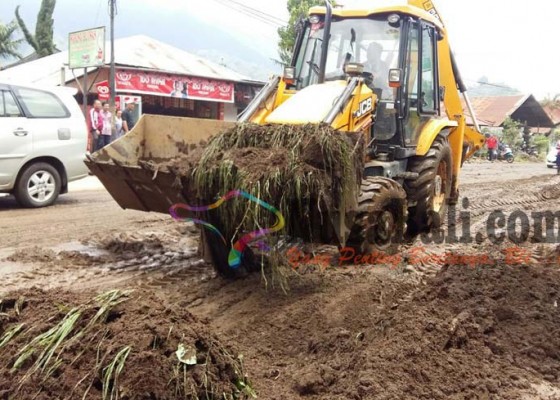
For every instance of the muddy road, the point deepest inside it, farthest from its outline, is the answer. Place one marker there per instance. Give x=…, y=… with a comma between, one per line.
x=89, y=210
x=440, y=321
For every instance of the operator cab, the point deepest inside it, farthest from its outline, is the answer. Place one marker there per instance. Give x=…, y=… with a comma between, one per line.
x=390, y=46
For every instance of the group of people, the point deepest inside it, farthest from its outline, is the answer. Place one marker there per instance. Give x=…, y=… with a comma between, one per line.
x=103, y=131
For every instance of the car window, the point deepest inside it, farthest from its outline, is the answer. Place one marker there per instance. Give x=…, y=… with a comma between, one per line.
x=8, y=106
x=40, y=104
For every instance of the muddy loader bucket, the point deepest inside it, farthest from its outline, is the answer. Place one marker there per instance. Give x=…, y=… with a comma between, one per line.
x=128, y=167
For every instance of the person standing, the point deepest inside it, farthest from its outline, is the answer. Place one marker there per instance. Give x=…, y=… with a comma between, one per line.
x=558, y=157
x=129, y=120
x=492, y=145
x=107, y=129
x=96, y=123
x=119, y=130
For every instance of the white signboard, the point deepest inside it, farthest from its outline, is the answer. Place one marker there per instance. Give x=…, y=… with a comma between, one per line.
x=86, y=48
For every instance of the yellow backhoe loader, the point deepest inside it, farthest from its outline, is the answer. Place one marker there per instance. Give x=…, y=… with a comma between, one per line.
x=383, y=70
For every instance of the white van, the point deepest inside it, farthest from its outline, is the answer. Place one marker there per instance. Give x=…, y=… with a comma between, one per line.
x=43, y=141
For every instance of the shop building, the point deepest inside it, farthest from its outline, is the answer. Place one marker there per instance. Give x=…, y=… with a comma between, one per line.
x=160, y=78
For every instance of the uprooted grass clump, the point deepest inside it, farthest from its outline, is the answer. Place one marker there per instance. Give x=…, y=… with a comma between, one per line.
x=301, y=170
x=115, y=345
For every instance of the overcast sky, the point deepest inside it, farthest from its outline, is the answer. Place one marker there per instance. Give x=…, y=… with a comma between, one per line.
x=512, y=42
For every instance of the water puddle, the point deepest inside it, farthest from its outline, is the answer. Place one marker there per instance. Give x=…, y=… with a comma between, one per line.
x=80, y=248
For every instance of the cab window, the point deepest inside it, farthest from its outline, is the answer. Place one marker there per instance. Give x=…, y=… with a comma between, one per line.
x=428, y=102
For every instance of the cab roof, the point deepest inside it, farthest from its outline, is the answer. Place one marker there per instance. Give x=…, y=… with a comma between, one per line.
x=365, y=8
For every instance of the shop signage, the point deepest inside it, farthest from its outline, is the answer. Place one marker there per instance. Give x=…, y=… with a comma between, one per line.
x=103, y=93
x=86, y=48
x=174, y=86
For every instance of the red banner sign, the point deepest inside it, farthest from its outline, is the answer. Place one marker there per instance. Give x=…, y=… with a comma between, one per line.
x=174, y=86
x=103, y=90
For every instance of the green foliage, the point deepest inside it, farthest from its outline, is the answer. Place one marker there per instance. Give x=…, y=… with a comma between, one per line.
x=9, y=45
x=297, y=9
x=542, y=142
x=511, y=135
x=551, y=102
x=42, y=42
x=555, y=134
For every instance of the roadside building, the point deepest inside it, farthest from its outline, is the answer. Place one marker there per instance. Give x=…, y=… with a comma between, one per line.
x=492, y=112
x=554, y=114
x=162, y=79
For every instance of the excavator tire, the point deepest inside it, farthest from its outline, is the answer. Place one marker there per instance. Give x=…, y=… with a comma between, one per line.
x=217, y=253
x=380, y=223
x=430, y=192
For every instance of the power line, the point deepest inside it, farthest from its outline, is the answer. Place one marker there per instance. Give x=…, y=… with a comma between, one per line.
x=272, y=17
x=252, y=13
x=98, y=11
x=490, y=84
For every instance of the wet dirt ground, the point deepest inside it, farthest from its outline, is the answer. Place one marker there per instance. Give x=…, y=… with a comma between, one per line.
x=416, y=326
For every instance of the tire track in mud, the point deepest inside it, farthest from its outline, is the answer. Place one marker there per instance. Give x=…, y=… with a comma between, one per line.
x=509, y=196
x=537, y=194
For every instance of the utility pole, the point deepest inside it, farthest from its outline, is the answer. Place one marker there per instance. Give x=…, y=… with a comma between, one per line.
x=112, y=86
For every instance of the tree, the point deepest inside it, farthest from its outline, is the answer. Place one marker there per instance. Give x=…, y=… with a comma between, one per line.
x=288, y=34
x=511, y=135
x=542, y=142
x=552, y=103
x=9, y=45
x=42, y=42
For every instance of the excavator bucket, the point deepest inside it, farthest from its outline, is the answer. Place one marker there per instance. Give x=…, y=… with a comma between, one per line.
x=128, y=167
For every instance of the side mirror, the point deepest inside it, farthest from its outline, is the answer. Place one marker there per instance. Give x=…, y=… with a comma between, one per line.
x=289, y=75
x=395, y=77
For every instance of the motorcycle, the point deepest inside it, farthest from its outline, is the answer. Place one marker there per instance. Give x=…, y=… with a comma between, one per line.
x=531, y=150
x=505, y=154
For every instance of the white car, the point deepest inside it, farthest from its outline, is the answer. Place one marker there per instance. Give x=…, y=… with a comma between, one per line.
x=551, y=158
x=43, y=141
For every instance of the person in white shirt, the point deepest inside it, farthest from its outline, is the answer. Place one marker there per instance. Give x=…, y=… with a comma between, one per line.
x=107, y=129
x=96, y=124
x=119, y=128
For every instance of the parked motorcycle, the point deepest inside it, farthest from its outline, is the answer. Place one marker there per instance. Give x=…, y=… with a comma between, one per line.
x=505, y=154
x=531, y=150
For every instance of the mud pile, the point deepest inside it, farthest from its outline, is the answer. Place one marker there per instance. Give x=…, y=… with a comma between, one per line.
x=293, y=168
x=467, y=333
x=119, y=344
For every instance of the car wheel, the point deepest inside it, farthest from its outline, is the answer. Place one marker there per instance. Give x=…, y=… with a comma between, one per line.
x=38, y=186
